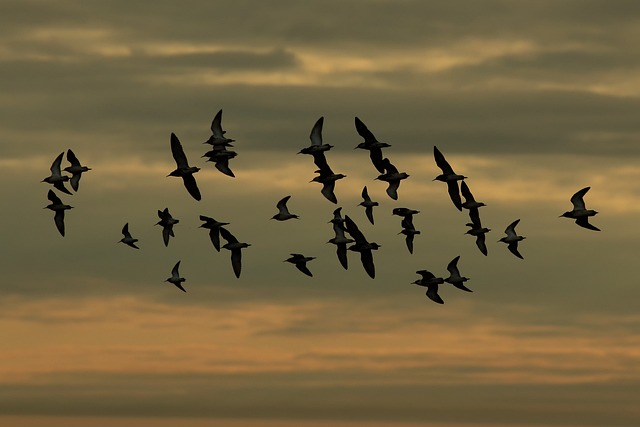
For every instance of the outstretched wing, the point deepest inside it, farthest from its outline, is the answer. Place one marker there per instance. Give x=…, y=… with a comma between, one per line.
x=577, y=199
x=178, y=152
x=441, y=161
x=316, y=133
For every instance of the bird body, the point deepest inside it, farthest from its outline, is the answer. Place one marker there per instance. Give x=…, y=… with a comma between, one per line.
x=392, y=177
x=76, y=170
x=167, y=222
x=449, y=177
x=454, y=275
x=368, y=204
x=431, y=282
x=214, y=230
x=217, y=137
x=363, y=246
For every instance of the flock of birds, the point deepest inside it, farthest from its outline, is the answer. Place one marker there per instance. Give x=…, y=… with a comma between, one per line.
x=342, y=226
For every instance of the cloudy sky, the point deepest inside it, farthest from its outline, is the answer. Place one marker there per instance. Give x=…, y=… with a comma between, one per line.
x=532, y=100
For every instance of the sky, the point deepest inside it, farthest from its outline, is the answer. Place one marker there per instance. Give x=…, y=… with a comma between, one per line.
x=531, y=100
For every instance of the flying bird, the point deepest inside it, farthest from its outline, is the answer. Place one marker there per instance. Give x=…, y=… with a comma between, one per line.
x=454, y=276
x=328, y=179
x=470, y=203
x=76, y=170
x=407, y=216
x=368, y=204
x=431, y=282
x=58, y=207
x=363, y=246
x=409, y=234
x=283, y=212
x=478, y=231
x=175, y=277
x=127, y=239
x=221, y=156
x=316, y=140
x=448, y=176
x=392, y=177
x=56, y=178
x=340, y=240
x=217, y=137
x=580, y=213
x=183, y=169
x=235, y=247
x=512, y=238
x=214, y=230
x=167, y=222
x=372, y=144
x=300, y=262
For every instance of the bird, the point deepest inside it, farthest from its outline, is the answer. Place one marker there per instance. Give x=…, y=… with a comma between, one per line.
x=368, y=204
x=217, y=137
x=407, y=216
x=448, y=176
x=56, y=178
x=470, y=203
x=328, y=179
x=283, y=212
x=235, y=247
x=221, y=157
x=167, y=222
x=454, y=275
x=512, y=238
x=175, y=277
x=183, y=169
x=58, y=207
x=76, y=170
x=214, y=230
x=363, y=246
x=340, y=240
x=300, y=262
x=127, y=239
x=372, y=144
x=479, y=232
x=580, y=213
x=392, y=177
x=316, y=140
x=409, y=233
x=431, y=282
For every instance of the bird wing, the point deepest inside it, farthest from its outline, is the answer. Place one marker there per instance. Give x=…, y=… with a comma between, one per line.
x=58, y=218
x=390, y=168
x=454, y=193
x=466, y=193
x=125, y=231
x=53, y=198
x=452, y=267
x=341, y=251
x=327, y=191
x=511, y=229
x=316, y=133
x=174, y=272
x=474, y=216
x=303, y=267
x=407, y=222
x=365, y=194
x=366, y=257
x=584, y=222
x=226, y=235
x=59, y=185
x=480, y=242
x=369, y=211
x=392, y=189
x=409, y=242
x=432, y=293
x=55, y=166
x=353, y=230
x=321, y=162
x=364, y=132
x=236, y=261
x=214, y=235
x=442, y=162
x=191, y=186
x=75, y=181
x=166, y=232
x=375, y=154
x=577, y=199
x=71, y=158
x=222, y=164
x=282, y=205
x=216, y=126
x=513, y=247
x=178, y=152
x=426, y=275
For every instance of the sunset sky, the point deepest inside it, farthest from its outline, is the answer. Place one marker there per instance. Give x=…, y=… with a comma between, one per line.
x=531, y=100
